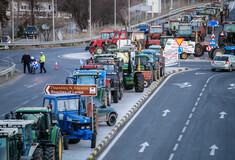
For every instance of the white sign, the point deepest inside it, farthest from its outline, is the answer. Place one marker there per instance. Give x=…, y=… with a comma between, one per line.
x=188, y=46
x=155, y=5
x=60, y=36
x=171, y=57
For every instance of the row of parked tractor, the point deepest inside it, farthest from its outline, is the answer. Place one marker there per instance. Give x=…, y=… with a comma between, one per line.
x=193, y=25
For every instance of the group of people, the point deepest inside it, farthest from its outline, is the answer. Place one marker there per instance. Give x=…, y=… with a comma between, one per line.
x=26, y=60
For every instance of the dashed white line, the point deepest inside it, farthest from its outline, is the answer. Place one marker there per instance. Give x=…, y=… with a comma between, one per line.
x=203, y=89
x=198, y=99
x=205, y=85
x=184, y=129
x=187, y=123
x=176, y=146
x=190, y=116
x=35, y=97
x=25, y=102
x=200, y=94
x=180, y=137
x=171, y=156
x=194, y=108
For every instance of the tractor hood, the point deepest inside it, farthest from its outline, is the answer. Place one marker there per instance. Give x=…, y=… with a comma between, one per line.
x=77, y=118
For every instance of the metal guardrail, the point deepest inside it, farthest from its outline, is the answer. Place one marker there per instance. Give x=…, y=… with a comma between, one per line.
x=171, y=13
x=6, y=69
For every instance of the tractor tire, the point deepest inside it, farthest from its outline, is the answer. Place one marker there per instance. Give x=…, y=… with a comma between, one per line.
x=183, y=56
x=199, y=51
x=139, y=82
x=146, y=83
x=49, y=153
x=38, y=154
x=120, y=93
x=109, y=97
x=158, y=73
x=58, y=145
x=210, y=53
x=213, y=70
x=154, y=75
x=218, y=51
x=95, y=120
x=65, y=141
x=92, y=50
x=129, y=87
x=93, y=140
x=112, y=46
x=74, y=141
x=162, y=71
x=112, y=119
x=115, y=96
x=99, y=50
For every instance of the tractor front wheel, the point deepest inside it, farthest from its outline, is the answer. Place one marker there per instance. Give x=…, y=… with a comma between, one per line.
x=99, y=50
x=49, y=153
x=65, y=141
x=198, y=50
x=115, y=96
x=38, y=154
x=218, y=51
x=58, y=145
x=120, y=93
x=139, y=82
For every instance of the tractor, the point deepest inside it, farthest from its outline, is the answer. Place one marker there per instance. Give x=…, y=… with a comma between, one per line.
x=26, y=139
x=48, y=134
x=69, y=112
x=155, y=32
x=130, y=78
x=173, y=26
x=226, y=40
x=185, y=31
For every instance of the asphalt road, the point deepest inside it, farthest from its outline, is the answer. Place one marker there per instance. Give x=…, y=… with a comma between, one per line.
x=190, y=117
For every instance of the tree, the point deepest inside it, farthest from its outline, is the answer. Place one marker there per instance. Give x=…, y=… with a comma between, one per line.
x=3, y=8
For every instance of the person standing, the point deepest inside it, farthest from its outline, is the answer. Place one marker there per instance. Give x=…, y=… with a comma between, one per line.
x=42, y=61
x=26, y=60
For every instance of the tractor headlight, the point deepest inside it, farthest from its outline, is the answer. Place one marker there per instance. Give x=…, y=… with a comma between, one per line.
x=83, y=127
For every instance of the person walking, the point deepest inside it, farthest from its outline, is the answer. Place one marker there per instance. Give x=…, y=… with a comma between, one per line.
x=26, y=61
x=42, y=61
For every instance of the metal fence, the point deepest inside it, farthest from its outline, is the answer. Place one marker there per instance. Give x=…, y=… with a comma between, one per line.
x=6, y=69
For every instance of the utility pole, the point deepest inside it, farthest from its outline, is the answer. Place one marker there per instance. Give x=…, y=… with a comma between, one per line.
x=53, y=20
x=12, y=21
x=90, y=16
x=115, y=27
x=171, y=5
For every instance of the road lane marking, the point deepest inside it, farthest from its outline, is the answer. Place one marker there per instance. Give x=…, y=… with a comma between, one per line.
x=213, y=148
x=187, y=123
x=165, y=112
x=25, y=102
x=176, y=146
x=200, y=94
x=184, y=129
x=203, y=89
x=190, y=116
x=205, y=85
x=171, y=156
x=143, y=146
x=35, y=97
x=222, y=114
x=180, y=137
x=198, y=99
x=194, y=108
x=196, y=104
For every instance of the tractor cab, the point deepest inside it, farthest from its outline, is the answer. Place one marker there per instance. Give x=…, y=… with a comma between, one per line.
x=157, y=48
x=228, y=32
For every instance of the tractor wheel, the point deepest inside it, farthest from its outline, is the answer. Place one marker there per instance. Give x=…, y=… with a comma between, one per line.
x=109, y=97
x=115, y=96
x=199, y=51
x=112, y=120
x=38, y=154
x=183, y=56
x=112, y=46
x=210, y=53
x=74, y=141
x=139, y=82
x=92, y=50
x=120, y=93
x=146, y=83
x=129, y=87
x=213, y=70
x=58, y=145
x=99, y=50
x=218, y=51
x=49, y=153
x=162, y=71
x=95, y=120
x=154, y=75
x=65, y=141
x=158, y=73
x=93, y=140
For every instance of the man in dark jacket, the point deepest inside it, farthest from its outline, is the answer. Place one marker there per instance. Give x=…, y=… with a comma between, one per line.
x=26, y=60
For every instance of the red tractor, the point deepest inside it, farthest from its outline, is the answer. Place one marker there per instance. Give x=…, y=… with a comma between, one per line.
x=155, y=32
x=108, y=41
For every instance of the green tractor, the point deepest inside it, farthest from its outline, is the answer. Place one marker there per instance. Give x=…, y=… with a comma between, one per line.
x=47, y=134
x=25, y=141
x=10, y=144
x=131, y=79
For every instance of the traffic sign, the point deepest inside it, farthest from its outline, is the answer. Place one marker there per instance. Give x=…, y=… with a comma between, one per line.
x=212, y=43
x=180, y=50
x=179, y=40
x=213, y=36
x=212, y=23
x=83, y=90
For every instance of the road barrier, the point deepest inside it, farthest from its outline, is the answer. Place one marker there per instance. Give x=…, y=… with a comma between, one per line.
x=129, y=114
x=6, y=69
x=84, y=40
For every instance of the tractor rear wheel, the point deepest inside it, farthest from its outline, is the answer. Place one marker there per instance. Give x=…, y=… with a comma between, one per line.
x=154, y=75
x=93, y=140
x=109, y=96
x=49, y=153
x=139, y=82
x=112, y=119
x=58, y=145
x=120, y=93
x=199, y=51
x=65, y=141
x=218, y=51
x=38, y=154
x=74, y=141
x=162, y=71
x=115, y=96
x=158, y=73
x=99, y=50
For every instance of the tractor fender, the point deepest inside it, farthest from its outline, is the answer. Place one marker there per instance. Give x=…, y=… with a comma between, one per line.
x=32, y=149
x=54, y=133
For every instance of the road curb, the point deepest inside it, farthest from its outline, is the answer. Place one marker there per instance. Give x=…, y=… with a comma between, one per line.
x=129, y=114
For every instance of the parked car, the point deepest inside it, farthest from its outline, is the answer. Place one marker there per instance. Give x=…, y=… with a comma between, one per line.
x=105, y=113
x=5, y=39
x=31, y=31
x=224, y=62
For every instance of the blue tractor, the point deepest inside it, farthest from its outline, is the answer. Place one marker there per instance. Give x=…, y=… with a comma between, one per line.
x=69, y=112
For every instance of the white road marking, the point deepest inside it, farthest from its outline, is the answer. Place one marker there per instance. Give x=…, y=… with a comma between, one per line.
x=176, y=146
x=196, y=104
x=203, y=89
x=184, y=129
x=222, y=114
x=183, y=85
x=200, y=94
x=25, y=102
x=30, y=86
x=232, y=86
x=198, y=99
x=35, y=97
x=143, y=146
x=213, y=148
x=190, y=116
x=205, y=85
x=171, y=156
x=194, y=108
x=187, y=123
x=180, y=137
x=165, y=112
